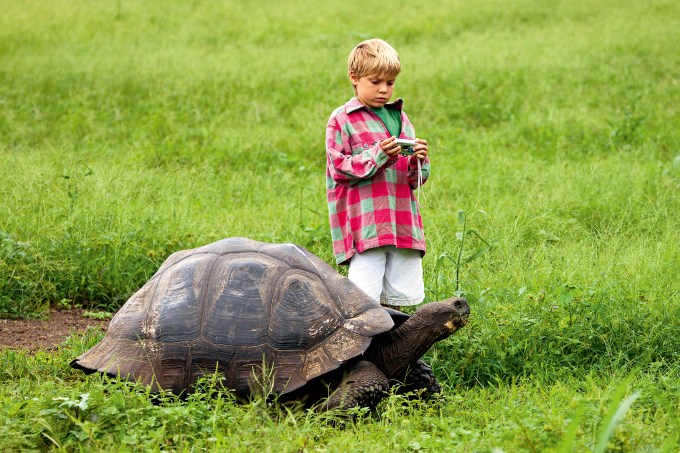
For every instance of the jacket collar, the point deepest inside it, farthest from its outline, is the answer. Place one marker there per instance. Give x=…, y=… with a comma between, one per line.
x=354, y=104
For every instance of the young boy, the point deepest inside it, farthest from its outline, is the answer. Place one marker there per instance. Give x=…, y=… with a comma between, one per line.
x=375, y=220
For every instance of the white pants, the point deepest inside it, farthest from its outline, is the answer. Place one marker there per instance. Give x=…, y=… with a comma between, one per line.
x=389, y=275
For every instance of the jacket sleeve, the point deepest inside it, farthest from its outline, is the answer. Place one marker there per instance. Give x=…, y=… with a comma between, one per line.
x=413, y=179
x=412, y=176
x=345, y=167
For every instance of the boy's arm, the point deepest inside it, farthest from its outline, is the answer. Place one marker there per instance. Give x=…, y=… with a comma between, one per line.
x=344, y=167
x=412, y=176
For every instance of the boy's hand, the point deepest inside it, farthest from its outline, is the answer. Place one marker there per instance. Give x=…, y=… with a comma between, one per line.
x=390, y=146
x=420, y=150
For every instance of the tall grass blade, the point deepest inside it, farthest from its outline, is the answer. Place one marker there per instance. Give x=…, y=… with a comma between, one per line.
x=616, y=413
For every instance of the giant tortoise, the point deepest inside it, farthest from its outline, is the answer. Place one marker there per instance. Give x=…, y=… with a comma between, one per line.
x=273, y=316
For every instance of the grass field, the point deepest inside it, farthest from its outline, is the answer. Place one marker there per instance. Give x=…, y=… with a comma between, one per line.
x=129, y=130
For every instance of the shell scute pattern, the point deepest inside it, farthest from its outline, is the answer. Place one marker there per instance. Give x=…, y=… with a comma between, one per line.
x=235, y=312
x=304, y=314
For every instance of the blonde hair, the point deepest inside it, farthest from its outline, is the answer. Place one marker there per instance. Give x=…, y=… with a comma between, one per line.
x=374, y=56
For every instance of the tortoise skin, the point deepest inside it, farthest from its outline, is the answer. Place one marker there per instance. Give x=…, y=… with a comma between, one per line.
x=263, y=315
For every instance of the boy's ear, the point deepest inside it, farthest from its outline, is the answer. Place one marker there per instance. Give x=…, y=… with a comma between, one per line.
x=353, y=78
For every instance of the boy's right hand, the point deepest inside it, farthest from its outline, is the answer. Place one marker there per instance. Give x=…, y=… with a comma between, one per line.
x=390, y=146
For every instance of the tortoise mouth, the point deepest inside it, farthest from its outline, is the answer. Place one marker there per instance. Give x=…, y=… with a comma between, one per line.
x=457, y=323
x=462, y=320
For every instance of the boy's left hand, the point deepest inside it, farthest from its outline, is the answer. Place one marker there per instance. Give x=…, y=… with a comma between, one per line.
x=420, y=150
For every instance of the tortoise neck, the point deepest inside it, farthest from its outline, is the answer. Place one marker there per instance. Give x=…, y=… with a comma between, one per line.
x=394, y=351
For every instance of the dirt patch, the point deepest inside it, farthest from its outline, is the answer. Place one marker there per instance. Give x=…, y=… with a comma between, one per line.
x=33, y=335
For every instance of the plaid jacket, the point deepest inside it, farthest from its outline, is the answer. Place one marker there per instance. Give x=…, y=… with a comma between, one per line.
x=370, y=194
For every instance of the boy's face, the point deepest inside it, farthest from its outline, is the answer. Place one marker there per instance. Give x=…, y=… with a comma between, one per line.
x=373, y=90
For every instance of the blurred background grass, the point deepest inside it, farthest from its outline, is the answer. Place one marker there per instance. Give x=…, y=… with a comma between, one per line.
x=132, y=129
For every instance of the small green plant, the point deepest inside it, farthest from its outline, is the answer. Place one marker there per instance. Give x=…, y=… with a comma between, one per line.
x=74, y=180
x=466, y=252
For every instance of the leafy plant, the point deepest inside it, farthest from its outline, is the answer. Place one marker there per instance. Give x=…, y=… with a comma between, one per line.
x=466, y=252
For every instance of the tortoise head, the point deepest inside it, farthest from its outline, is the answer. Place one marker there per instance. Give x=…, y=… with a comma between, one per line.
x=444, y=317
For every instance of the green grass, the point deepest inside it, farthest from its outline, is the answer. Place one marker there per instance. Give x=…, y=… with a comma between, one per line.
x=130, y=130
x=94, y=413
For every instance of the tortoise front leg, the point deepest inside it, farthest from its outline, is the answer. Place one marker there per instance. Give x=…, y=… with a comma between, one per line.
x=364, y=385
x=420, y=379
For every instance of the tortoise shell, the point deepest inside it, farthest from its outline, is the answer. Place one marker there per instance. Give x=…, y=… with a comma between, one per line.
x=251, y=311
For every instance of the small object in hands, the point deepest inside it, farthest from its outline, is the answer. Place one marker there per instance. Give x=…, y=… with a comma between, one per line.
x=406, y=146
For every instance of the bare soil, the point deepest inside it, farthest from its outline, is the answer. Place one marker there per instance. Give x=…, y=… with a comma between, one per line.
x=47, y=334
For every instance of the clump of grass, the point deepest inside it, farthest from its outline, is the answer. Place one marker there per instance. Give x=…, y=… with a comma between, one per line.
x=97, y=315
x=25, y=278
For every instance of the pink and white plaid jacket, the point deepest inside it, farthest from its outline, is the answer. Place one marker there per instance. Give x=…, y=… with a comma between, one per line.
x=370, y=194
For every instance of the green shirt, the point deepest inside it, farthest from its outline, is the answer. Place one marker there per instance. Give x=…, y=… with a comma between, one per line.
x=391, y=118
